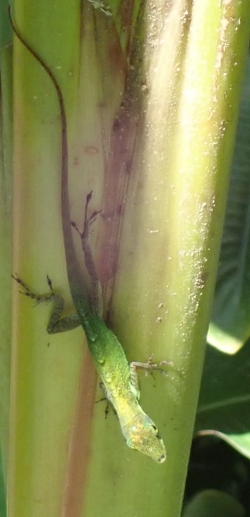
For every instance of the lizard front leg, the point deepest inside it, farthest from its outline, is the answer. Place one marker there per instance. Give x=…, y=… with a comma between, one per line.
x=147, y=367
x=56, y=322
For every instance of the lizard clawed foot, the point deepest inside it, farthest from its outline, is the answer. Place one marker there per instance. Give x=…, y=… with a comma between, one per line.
x=105, y=398
x=150, y=366
x=95, y=290
x=87, y=220
x=27, y=292
x=156, y=366
x=99, y=4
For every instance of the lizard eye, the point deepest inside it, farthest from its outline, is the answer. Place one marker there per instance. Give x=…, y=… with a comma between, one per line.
x=156, y=431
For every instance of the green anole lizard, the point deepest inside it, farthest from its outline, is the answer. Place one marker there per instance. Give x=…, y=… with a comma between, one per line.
x=119, y=379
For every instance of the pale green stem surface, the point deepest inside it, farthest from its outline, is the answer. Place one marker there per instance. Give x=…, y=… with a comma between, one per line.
x=170, y=185
x=5, y=240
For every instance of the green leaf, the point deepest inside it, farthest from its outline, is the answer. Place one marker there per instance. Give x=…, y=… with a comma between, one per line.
x=230, y=322
x=5, y=27
x=240, y=442
x=224, y=403
x=213, y=503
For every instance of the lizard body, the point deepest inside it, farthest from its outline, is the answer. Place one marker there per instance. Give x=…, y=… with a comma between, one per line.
x=118, y=377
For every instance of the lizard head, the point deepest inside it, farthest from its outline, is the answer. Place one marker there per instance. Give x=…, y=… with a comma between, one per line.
x=142, y=434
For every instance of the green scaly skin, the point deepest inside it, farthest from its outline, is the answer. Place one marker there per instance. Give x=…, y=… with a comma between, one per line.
x=119, y=379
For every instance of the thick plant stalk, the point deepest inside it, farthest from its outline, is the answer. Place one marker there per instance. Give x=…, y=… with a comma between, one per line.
x=158, y=166
x=5, y=255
